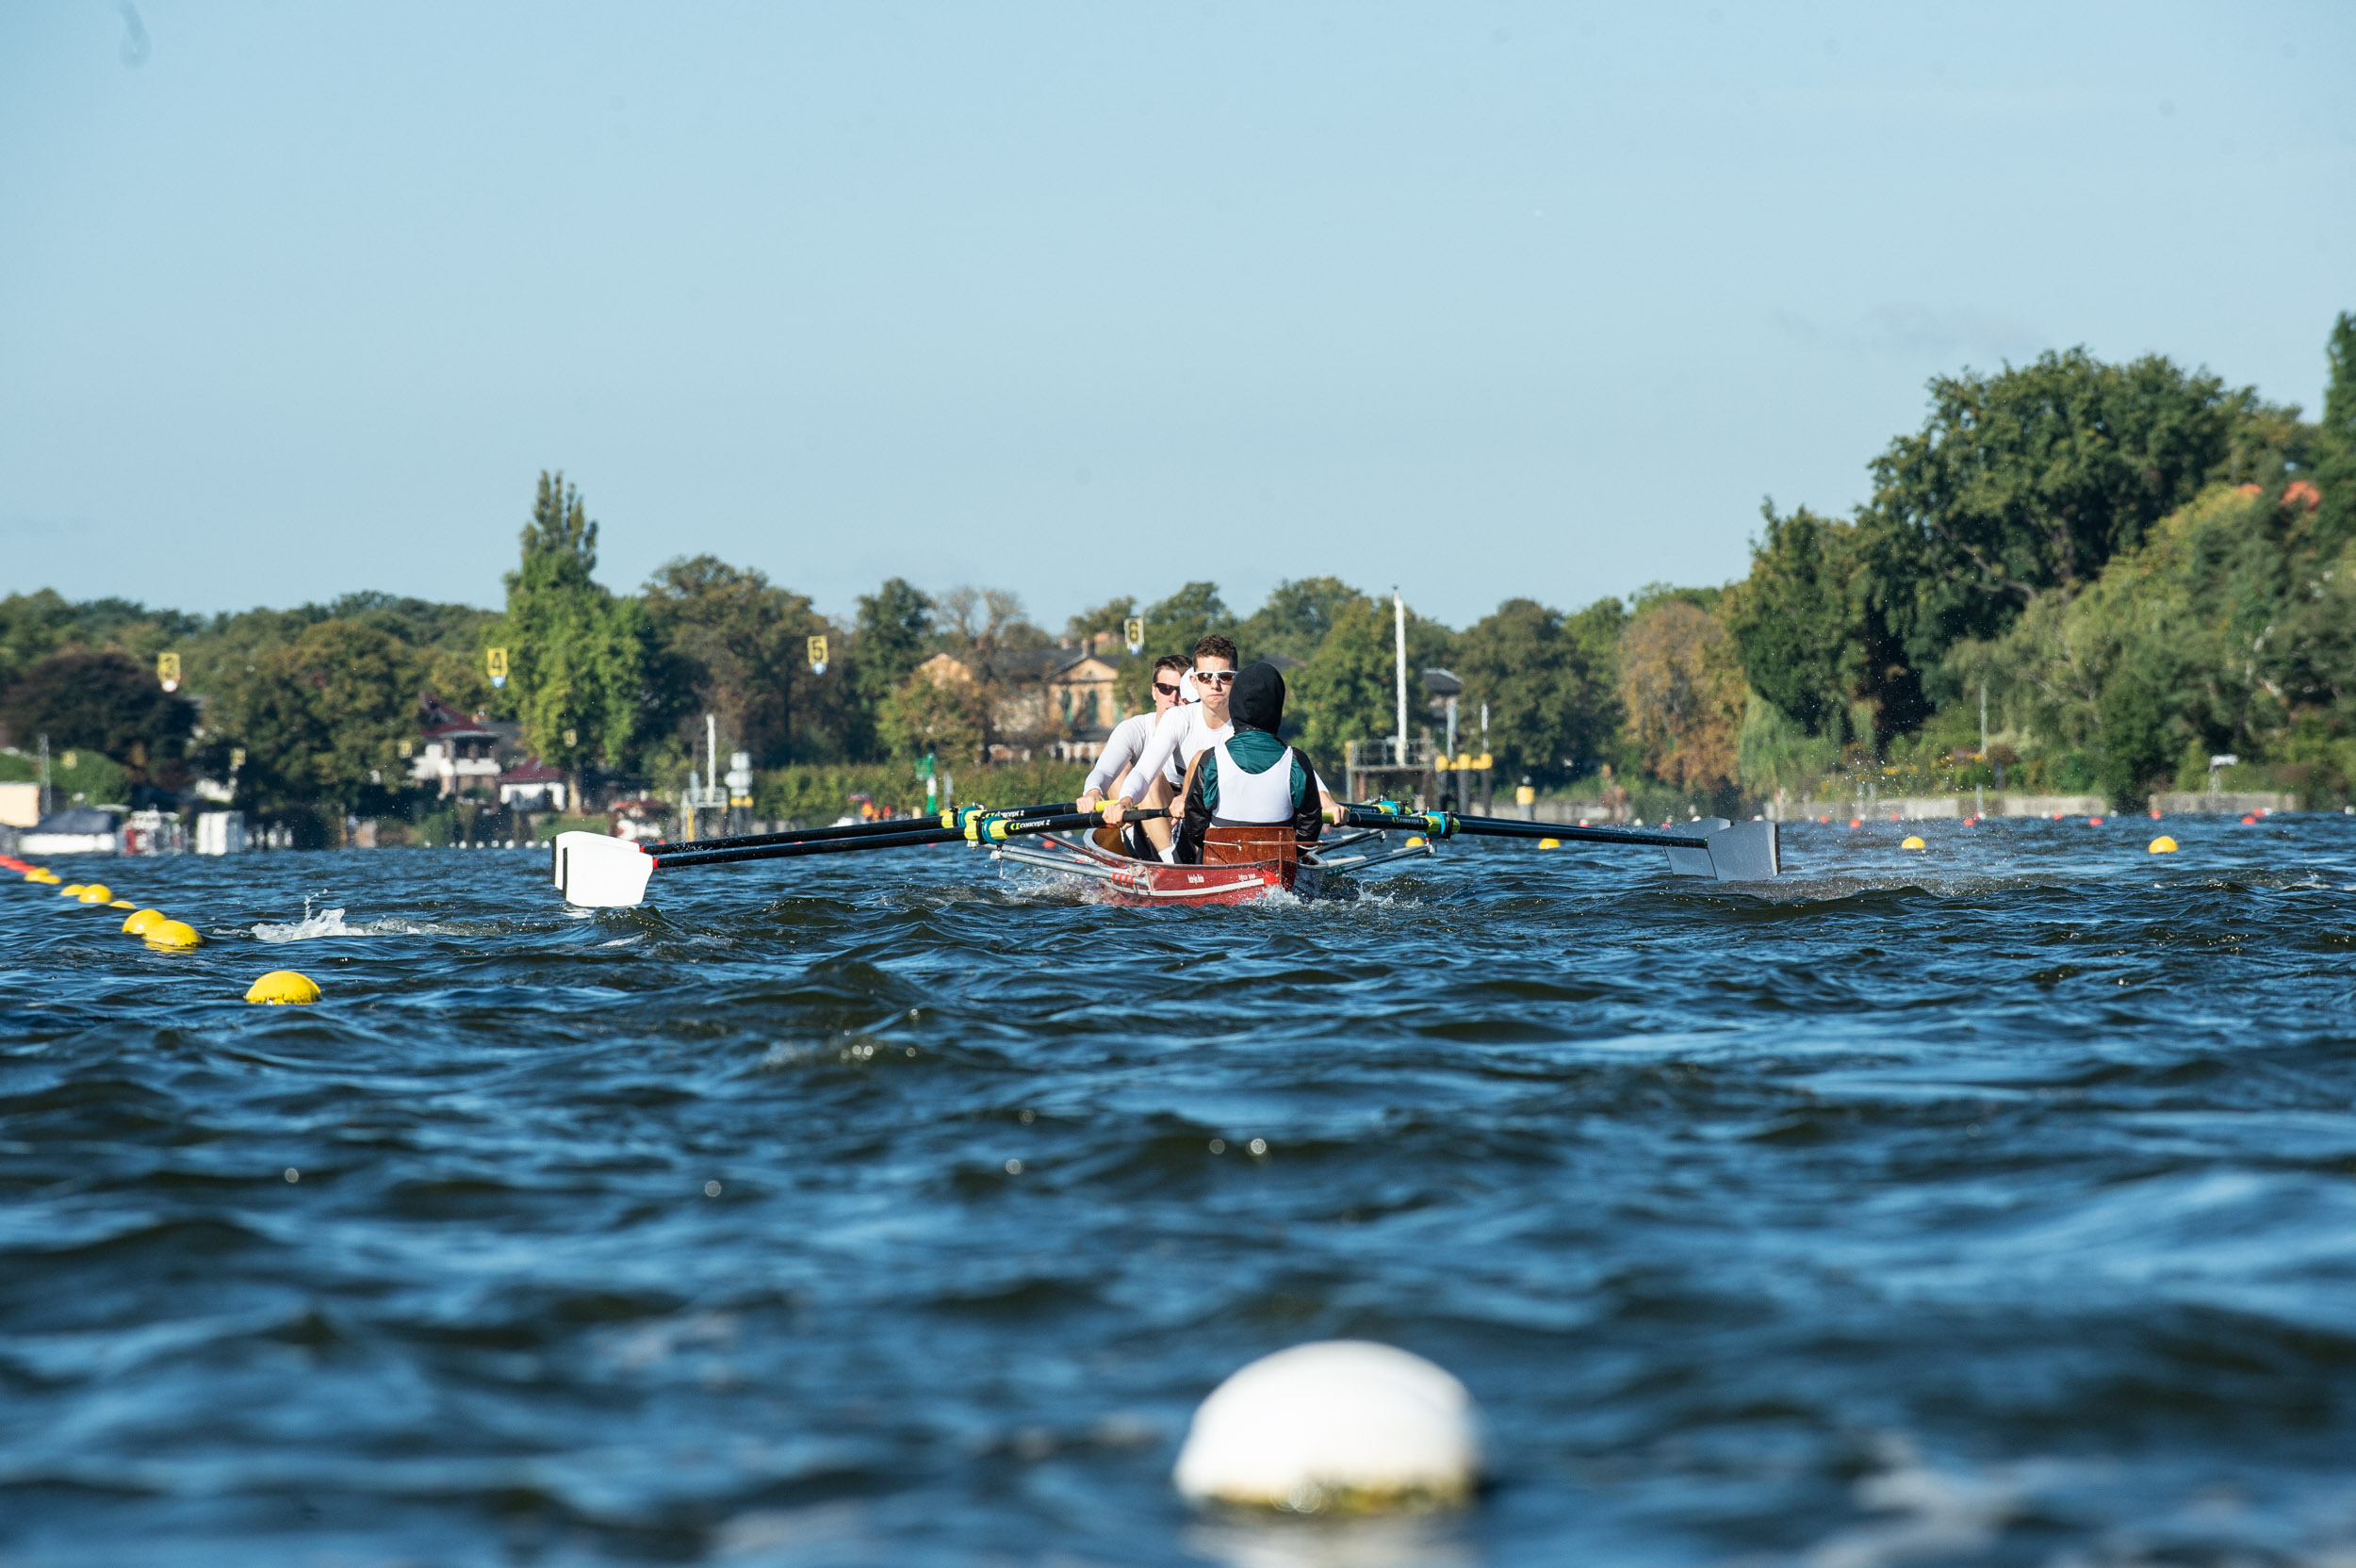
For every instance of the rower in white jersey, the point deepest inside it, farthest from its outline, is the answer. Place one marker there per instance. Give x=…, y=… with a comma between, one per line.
x=1179, y=736
x=1173, y=685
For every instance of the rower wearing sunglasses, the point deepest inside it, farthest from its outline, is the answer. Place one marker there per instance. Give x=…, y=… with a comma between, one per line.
x=1173, y=684
x=1179, y=736
x=1249, y=797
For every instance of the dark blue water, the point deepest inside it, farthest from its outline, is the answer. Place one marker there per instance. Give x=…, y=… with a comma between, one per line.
x=1993, y=1204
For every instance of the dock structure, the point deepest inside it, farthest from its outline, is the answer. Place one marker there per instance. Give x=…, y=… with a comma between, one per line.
x=1420, y=772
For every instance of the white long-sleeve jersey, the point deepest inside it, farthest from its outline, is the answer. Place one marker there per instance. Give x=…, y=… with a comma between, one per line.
x=1122, y=747
x=1176, y=738
x=1179, y=737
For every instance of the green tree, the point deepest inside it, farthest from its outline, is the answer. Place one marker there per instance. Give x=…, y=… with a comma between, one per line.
x=321, y=719
x=2029, y=480
x=1174, y=625
x=734, y=645
x=893, y=635
x=1349, y=690
x=2335, y=446
x=945, y=717
x=1108, y=618
x=1550, y=684
x=363, y=684
x=1795, y=620
x=1294, y=622
x=105, y=701
x=577, y=654
x=1345, y=693
x=33, y=627
x=2197, y=641
x=422, y=624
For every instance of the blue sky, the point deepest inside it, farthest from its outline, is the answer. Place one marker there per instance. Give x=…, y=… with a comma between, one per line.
x=1085, y=299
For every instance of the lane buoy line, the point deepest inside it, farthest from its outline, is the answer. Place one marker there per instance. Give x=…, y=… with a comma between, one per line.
x=161, y=932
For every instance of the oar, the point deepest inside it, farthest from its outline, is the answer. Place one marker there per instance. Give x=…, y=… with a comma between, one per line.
x=887, y=828
x=895, y=829
x=596, y=872
x=1731, y=852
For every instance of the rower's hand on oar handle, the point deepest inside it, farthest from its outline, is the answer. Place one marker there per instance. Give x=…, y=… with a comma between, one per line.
x=1087, y=801
x=1114, y=807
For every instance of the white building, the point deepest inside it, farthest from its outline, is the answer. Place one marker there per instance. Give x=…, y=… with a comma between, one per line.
x=531, y=785
x=460, y=756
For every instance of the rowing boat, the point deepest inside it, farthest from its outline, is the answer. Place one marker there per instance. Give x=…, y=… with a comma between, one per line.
x=596, y=872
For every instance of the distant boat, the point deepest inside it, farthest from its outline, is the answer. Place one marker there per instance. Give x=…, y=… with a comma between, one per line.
x=78, y=830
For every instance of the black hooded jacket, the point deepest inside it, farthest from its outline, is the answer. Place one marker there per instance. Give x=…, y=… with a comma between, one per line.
x=1256, y=709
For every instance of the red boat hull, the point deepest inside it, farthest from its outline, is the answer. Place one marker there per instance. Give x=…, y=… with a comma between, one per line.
x=1145, y=884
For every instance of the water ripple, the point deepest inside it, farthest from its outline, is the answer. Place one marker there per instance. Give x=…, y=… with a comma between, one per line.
x=1994, y=1203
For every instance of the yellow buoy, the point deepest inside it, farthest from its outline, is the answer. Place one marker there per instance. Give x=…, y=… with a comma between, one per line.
x=120, y=903
x=1414, y=841
x=98, y=892
x=171, y=936
x=1550, y=843
x=136, y=924
x=72, y=890
x=284, y=986
x=1913, y=842
x=2163, y=845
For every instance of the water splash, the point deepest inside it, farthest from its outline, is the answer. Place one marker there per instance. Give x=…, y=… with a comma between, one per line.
x=326, y=922
x=331, y=923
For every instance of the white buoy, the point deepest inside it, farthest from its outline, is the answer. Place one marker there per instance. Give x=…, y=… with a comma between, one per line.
x=1343, y=1424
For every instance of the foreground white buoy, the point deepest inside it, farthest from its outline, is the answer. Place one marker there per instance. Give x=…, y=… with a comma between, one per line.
x=1340, y=1425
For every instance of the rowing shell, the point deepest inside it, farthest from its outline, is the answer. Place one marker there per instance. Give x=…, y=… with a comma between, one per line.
x=1144, y=884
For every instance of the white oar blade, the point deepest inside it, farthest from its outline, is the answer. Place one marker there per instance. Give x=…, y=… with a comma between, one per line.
x=598, y=873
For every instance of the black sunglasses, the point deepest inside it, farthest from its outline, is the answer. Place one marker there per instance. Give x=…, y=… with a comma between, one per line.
x=1165, y=689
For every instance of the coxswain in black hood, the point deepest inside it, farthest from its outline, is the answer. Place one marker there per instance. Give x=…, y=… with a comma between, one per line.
x=1250, y=797
x=1258, y=700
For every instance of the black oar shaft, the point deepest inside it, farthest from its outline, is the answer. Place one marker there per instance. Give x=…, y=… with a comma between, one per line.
x=909, y=838
x=1509, y=827
x=905, y=839
x=893, y=828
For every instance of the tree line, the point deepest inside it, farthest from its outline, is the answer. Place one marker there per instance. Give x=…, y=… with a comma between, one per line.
x=2130, y=567
x=2134, y=567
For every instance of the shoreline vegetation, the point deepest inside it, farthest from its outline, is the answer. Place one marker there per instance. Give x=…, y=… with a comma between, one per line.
x=2074, y=578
